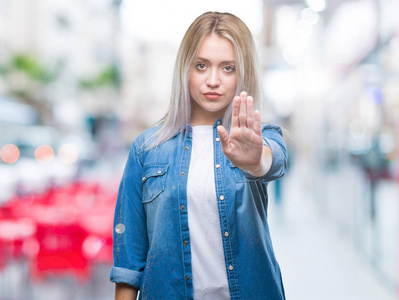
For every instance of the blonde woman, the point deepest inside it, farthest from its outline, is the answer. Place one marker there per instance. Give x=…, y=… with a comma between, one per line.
x=191, y=215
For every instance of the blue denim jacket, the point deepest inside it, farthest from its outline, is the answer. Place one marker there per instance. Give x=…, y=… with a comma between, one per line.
x=151, y=234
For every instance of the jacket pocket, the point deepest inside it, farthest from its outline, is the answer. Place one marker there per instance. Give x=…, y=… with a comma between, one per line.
x=154, y=177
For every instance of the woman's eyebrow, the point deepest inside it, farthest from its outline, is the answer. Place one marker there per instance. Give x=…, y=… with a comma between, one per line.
x=222, y=63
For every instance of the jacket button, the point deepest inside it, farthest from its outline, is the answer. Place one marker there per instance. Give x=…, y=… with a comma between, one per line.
x=182, y=173
x=187, y=278
x=217, y=166
x=181, y=207
x=221, y=197
x=185, y=243
x=185, y=148
x=226, y=234
x=217, y=140
x=231, y=268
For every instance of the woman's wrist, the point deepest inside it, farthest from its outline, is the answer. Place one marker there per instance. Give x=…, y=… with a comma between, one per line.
x=265, y=163
x=260, y=170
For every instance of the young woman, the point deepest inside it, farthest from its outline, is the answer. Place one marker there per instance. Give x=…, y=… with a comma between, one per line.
x=191, y=215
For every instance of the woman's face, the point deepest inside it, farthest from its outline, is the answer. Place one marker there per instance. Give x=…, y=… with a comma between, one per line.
x=213, y=80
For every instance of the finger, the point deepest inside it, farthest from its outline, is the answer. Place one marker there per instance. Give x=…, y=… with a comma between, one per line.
x=224, y=137
x=250, y=112
x=242, y=117
x=257, y=125
x=236, y=109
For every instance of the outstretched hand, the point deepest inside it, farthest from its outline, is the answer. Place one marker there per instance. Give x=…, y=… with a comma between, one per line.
x=244, y=147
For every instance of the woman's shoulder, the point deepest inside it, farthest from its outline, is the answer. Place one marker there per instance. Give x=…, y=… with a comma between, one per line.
x=148, y=133
x=145, y=137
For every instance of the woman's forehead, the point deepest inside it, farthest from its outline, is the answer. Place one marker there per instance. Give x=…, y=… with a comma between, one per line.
x=214, y=47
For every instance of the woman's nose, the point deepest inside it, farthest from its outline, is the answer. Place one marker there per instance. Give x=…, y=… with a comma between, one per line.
x=213, y=79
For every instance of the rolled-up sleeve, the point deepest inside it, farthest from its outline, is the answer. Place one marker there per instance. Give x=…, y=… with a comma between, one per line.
x=273, y=138
x=130, y=245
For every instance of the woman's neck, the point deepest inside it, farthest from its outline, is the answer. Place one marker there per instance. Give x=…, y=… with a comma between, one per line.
x=196, y=121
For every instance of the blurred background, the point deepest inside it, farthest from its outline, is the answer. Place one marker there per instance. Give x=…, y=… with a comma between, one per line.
x=80, y=79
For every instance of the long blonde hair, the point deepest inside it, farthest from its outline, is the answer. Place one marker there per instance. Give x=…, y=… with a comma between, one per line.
x=225, y=25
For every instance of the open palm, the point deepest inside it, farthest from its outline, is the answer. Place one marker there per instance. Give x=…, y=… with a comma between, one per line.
x=244, y=146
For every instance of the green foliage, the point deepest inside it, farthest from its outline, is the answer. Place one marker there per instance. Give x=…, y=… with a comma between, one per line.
x=29, y=65
x=108, y=77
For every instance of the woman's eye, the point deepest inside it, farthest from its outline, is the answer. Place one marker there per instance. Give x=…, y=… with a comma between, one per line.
x=201, y=66
x=229, y=69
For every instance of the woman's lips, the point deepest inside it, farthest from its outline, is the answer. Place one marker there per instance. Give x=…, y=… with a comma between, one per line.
x=212, y=96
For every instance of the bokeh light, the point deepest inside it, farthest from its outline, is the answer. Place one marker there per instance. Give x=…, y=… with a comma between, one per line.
x=310, y=15
x=68, y=153
x=357, y=128
x=44, y=154
x=9, y=153
x=304, y=28
x=92, y=245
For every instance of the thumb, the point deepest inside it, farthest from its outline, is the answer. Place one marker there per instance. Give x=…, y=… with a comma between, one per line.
x=224, y=137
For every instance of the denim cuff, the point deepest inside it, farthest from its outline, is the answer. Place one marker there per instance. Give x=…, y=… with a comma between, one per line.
x=277, y=169
x=122, y=275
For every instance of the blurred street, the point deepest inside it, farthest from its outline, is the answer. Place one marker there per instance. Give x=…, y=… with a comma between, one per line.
x=318, y=258
x=79, y=80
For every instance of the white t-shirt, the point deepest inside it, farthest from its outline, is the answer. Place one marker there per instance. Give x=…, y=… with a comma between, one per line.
x=207, y=257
